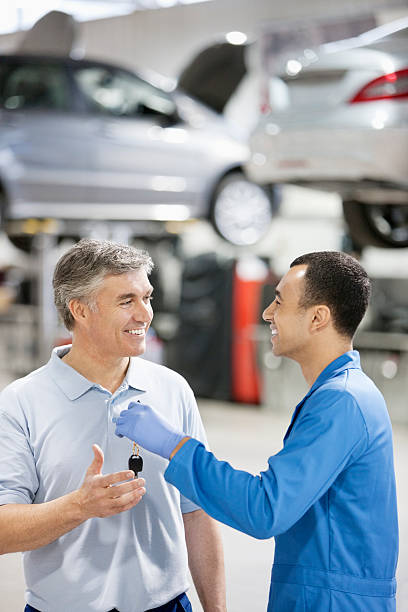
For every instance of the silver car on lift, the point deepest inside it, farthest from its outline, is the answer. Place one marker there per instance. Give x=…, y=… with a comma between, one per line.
x=338, y=120
x=85, y=140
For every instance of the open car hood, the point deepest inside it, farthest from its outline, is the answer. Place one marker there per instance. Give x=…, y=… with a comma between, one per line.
x=214, y=73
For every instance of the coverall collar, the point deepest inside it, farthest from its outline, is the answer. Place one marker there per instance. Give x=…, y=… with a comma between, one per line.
x=347, y=361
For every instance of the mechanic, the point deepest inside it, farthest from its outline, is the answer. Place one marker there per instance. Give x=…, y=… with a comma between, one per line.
x=96, y=539
x=328, y=497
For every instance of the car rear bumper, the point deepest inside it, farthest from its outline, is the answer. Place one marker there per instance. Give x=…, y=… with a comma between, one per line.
x=334, y=155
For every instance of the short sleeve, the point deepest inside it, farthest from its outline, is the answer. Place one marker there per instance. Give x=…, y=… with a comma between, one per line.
x=18, y=476
x=193, y=425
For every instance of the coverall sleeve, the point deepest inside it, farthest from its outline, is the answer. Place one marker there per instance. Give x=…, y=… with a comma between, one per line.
x=328, y=435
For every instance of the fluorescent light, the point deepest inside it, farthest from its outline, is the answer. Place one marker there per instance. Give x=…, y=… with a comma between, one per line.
x=293, y=67
x=236, y=38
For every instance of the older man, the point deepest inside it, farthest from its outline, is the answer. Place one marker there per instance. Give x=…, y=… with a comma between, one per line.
x=101, y=542
x=328, y=496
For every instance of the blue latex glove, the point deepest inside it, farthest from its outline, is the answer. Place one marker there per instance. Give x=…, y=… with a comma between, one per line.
x=143, y=425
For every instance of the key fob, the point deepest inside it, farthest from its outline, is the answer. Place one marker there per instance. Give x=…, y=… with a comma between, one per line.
x=136, y=464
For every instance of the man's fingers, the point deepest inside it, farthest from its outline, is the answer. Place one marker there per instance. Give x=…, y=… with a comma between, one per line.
x=97, y=463
x=134, y=405
x=126, y=487
x=119, y=421
x=111, y=479
x=109, y=494
x=128, y=500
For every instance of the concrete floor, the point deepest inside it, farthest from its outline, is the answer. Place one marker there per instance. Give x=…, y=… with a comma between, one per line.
x=245, y=436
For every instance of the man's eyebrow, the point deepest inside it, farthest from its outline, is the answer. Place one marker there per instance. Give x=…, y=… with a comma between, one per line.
x=278, y=294
x=126, y=296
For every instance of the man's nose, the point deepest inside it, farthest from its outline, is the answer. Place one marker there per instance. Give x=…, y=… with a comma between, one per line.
x=267, y=314
x=143, y=312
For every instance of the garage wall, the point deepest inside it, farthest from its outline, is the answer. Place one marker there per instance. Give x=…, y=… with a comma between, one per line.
x=164, y=39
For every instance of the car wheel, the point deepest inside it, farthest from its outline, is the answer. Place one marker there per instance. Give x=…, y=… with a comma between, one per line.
x=381, y=225
x=23, y=242
x=241, y=210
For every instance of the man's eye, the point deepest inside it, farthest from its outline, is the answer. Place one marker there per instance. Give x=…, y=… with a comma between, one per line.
x=126, y=303
x=277, y=302
x=148, y=298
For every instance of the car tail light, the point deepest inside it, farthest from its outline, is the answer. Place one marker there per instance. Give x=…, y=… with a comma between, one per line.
x=389, y=86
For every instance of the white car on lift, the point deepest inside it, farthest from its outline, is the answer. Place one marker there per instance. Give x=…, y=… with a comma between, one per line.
x=338, y=121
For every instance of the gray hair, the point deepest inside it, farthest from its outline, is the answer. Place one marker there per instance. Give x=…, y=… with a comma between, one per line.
x=80, y=271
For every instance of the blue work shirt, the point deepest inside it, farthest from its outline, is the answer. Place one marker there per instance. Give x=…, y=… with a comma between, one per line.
x=328, y=497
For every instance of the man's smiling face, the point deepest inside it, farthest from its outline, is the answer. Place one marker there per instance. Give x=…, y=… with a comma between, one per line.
x=118, y=325
x=289, y=322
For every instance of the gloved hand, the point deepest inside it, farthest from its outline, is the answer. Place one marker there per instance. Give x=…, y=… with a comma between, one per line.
x=143, y=425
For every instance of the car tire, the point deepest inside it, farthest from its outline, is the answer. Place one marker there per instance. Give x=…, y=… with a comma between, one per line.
x=21, y=241
x=380, y=225
x=242, y=211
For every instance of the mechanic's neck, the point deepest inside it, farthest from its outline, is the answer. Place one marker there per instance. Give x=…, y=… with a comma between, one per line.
x=321, y=355
x=86, y=359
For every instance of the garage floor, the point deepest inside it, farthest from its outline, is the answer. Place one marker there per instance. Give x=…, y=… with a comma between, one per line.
x=245, y=436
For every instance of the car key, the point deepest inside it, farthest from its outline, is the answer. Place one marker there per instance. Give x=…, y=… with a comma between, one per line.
x=135, y=460
x=136, y=464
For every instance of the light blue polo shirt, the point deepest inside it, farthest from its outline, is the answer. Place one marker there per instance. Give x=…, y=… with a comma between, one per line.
x=49, y=420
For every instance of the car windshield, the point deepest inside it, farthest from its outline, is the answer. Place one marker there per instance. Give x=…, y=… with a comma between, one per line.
x=119, y=93
x=31, y=85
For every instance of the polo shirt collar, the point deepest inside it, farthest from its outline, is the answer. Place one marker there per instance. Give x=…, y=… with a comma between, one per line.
x=136, y=375
x=73, y=384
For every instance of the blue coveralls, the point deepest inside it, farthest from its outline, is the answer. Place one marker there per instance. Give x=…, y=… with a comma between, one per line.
x=328, y=498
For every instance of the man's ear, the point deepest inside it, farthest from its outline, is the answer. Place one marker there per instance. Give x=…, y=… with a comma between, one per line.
x=321, y=318
x=78, y=310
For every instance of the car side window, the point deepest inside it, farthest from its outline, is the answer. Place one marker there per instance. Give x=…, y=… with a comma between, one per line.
x=40, y=86
x=121, y=94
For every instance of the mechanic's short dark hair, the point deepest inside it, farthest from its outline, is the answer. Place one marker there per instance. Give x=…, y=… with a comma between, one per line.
x=338, y=281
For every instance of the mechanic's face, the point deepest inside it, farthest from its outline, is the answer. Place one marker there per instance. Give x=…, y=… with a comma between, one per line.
x=288, y=322
x=123, y=314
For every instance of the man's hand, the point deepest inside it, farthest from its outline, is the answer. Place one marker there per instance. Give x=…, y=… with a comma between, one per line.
x=31, y=526
x=143, y=425
x=102, y=495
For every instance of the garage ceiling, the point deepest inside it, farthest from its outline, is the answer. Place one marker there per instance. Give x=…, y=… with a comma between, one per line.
x=18, y=15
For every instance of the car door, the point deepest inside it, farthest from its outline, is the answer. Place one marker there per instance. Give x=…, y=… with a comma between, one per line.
x=149, y=164
x=45, y=139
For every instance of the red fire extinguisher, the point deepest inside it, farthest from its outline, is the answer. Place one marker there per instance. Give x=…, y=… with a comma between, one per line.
x=250, y=274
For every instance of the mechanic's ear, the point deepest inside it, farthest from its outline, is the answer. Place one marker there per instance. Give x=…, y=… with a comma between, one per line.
x=321, y=318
